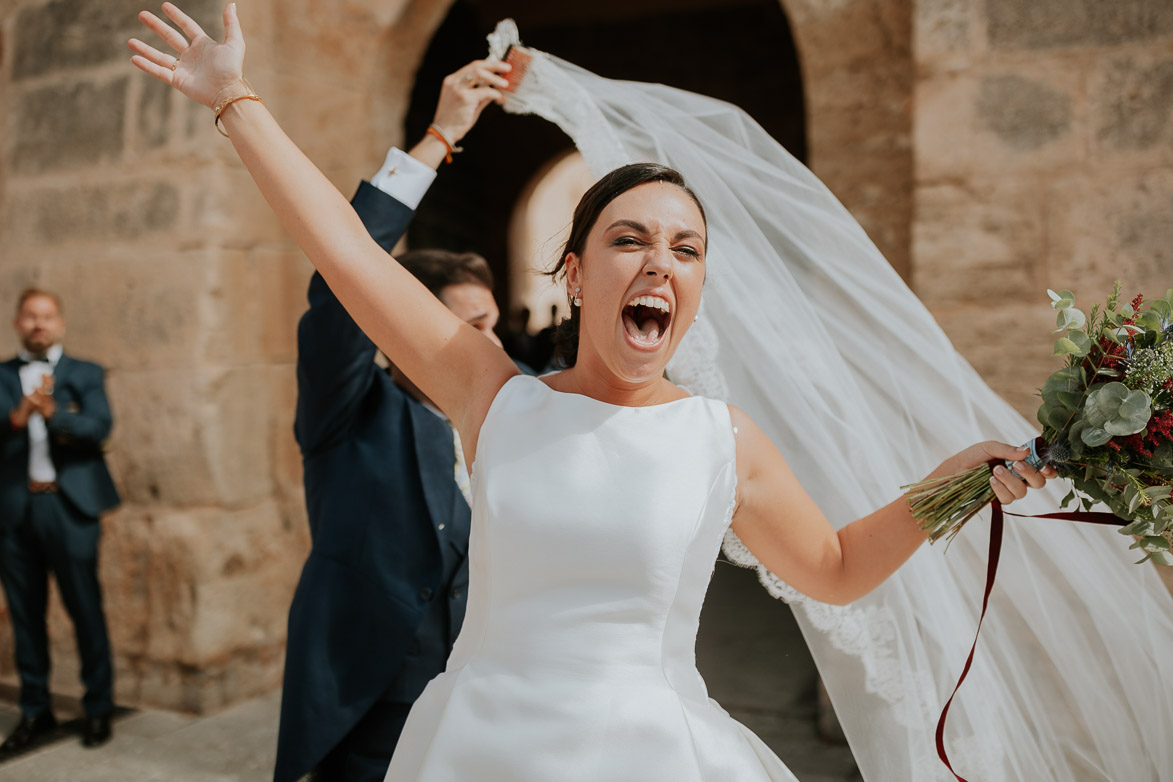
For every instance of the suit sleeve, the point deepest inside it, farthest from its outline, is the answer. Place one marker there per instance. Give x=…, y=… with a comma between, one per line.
x=91, y=424
x=8, y=403
x=335, y=359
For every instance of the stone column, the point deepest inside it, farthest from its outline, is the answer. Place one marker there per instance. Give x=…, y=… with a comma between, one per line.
x=858, y=79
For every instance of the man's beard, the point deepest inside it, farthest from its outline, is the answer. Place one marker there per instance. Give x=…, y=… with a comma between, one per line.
x=36, y=345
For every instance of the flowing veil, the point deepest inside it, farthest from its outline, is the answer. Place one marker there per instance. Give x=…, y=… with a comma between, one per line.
x=807, y=328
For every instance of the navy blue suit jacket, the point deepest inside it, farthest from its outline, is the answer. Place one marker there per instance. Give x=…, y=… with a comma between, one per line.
x=378, y=485
x=77, y=430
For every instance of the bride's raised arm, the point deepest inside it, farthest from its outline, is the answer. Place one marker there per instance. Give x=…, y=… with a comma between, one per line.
x=446, y=358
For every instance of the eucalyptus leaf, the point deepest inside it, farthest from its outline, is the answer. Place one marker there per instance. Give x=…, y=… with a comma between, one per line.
x=1066, y=379
x=1068, y=499
x=1138, y=527
x=1069, y=399
x=1057, y=417
x=1117, y=409
x=1066, y=347
x=1137, y=403
x=1122, y=427
x=1070, y=318
x=1157, y=542
x=1061, y=300
x=1094, y=436
x=1150, y=320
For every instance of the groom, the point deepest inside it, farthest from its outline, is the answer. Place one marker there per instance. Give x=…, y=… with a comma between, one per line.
x=382, y=594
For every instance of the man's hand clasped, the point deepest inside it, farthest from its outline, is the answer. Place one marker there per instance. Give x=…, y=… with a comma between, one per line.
x=39, y=401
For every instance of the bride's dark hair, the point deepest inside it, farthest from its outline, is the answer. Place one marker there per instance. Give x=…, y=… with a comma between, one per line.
x=586, y=214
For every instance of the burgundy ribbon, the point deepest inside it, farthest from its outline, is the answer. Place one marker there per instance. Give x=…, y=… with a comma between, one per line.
x=997, y=524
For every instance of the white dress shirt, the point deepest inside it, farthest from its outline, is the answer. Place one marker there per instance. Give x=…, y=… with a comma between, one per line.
x=31, y=374
x=404, y=178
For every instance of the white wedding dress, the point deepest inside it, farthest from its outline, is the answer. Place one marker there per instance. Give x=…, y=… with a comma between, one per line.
x=594, y=534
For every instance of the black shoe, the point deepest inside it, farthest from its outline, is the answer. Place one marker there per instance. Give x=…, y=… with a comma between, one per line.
x=97, y=731
x=28, y=729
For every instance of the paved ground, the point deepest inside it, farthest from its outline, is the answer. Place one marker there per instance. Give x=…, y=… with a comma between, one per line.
x=750, y=652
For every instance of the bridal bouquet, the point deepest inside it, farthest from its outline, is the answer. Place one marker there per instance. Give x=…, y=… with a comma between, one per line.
x=1107, y=420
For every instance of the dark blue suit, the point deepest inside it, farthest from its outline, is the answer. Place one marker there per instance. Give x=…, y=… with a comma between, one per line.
x=57, y=531
x=382, y=595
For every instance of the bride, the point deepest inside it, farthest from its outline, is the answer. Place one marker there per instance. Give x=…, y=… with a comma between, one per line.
x=603, y=492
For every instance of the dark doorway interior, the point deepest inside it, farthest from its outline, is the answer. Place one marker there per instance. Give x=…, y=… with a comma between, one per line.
x=737, y=50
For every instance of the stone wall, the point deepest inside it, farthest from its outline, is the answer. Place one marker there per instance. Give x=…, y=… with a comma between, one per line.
x=119, y=194
x=1044, y=159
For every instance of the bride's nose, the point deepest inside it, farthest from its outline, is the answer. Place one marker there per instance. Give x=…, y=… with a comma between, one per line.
x=658, y=262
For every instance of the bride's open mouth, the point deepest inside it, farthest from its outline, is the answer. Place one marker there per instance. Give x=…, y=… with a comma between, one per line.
x=646, y=320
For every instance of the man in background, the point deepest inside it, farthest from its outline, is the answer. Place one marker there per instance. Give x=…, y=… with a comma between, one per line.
x=382, y=594
x=54, y=485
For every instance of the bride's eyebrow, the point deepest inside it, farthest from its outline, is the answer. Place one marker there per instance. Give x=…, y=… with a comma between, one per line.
x=629, y=224
x=687, y=233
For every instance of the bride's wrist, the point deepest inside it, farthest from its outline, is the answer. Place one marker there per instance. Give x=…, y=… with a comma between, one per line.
x=233, y=93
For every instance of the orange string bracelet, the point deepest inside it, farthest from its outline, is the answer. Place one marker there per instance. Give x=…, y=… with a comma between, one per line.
x=448, y=145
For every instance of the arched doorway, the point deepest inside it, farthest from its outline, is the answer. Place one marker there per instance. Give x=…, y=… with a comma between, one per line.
x=749, y=650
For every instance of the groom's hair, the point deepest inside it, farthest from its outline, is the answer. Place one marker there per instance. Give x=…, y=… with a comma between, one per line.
x=437, y=269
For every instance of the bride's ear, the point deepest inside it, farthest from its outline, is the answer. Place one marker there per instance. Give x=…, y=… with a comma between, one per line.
x=573, y=267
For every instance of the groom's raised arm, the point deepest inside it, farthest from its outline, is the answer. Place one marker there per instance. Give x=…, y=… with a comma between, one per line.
x=335, y=365
x=335, y=359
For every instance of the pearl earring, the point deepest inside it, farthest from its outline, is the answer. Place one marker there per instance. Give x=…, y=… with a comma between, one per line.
x=577, y=298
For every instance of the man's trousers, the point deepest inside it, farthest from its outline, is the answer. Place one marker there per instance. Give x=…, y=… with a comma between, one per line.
x=55, y=537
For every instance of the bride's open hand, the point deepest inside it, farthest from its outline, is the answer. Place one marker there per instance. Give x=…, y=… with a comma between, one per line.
x=203, y=70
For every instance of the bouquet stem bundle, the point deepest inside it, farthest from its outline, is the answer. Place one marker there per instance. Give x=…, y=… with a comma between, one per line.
x=943, y=505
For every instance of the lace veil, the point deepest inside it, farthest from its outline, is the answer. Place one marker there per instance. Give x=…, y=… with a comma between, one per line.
x=807, y=328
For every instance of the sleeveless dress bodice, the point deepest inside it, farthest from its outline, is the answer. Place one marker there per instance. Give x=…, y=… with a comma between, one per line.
x=594, y=534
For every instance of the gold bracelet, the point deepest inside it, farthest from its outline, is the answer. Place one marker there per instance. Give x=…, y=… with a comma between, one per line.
x=250, y=95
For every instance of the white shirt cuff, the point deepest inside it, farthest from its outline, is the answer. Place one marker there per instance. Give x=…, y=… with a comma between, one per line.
x=404, y=178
